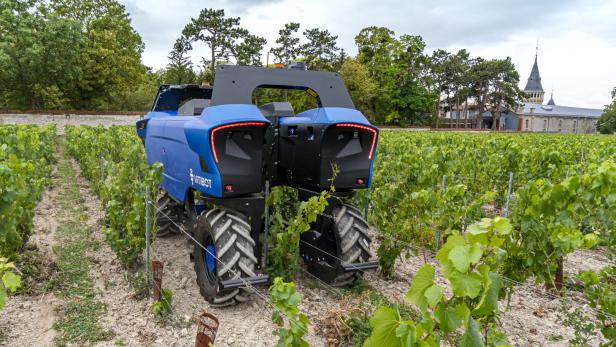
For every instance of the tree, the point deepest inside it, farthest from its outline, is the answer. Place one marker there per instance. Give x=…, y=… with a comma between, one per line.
x=451, y=78
x=607, y=122
x=362, y=88
x=438, y=78
x=248, y=52
x=413, y=99
x=39, y=56
x=110, y=59
x=377, y=49
x=493, y=84
x=139, y=97
x=504, y=95
x=480, y=75
x=456, y=73
x=464, y=82
x=401, y=71
x=342, y=58
x=217, y=31
x=68, y=54
x=376, y=46
x=320, y=52
x=179, y=70
x=288, y=45
x=86, y=11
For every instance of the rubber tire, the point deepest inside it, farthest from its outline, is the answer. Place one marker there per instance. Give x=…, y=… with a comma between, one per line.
x=229, y=232
x=170, y=217
x=351, y=232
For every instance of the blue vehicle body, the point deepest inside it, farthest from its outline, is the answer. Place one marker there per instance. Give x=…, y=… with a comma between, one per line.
x=217, y=142
x=178, y=142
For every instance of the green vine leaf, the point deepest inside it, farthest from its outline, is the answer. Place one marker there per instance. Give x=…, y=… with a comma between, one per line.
x=424, y=278
x=465, y=285
x=464, y=255
x=448, y=318
x=11, y=281
x=488, y=305
x=433, y=295
x=407, y=333
x=384, y=323
x=2, y=296
x=286, y=299
x=502, y=226
x=471, y=337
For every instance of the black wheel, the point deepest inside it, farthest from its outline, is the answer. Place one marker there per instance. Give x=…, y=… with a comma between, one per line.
x=348, y=243
x=334, y=242
x=351, y=231
x=228, y=254
x=169, y=216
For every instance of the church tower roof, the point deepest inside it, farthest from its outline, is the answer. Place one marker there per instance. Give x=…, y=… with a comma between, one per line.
x=534, y=80
x=551, y=102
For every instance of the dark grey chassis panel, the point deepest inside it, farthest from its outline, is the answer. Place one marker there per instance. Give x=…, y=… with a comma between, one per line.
x=235, y=84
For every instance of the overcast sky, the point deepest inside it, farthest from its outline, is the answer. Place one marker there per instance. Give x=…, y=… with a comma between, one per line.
x=577, y=39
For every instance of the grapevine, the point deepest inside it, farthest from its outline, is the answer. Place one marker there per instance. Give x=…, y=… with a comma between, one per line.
x=470, y=264
x=290, y=218
x=9, y=281
x=428, y=182
x=26, y=156
x=122, y=189
x=554, y=219
x=285, y=300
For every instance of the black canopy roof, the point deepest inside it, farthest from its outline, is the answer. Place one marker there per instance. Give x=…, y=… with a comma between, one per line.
x=235, y=84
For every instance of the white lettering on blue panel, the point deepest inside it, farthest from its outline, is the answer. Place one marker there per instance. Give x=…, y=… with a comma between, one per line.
x=202, y=181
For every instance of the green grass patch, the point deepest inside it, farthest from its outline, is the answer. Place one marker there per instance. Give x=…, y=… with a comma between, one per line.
x=3, y=335
x=37, y=271
x=80, y=312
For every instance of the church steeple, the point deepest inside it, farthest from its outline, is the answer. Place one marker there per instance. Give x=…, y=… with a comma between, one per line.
x=533, y=88
x=551, y=102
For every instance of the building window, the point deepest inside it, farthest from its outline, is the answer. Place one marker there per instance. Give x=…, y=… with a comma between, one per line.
x=575, y=126
x=526, y=128
x=560, y=125
x=545, y=125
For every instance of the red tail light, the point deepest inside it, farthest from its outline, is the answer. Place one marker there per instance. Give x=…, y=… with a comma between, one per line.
x=365, y=128
x=227, y=126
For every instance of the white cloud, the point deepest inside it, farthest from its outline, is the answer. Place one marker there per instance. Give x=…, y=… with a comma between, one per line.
x=577, y=39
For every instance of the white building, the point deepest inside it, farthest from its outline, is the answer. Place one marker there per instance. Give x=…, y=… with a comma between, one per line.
x=558, y=119
x=537, y=117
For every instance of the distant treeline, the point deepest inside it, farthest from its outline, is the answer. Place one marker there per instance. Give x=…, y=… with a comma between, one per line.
x=85, y=54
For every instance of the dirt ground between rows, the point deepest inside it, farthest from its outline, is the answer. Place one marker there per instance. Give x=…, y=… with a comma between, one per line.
x=28, y=320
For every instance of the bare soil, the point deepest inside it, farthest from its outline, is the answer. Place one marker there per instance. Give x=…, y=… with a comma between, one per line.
x=28, y=319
